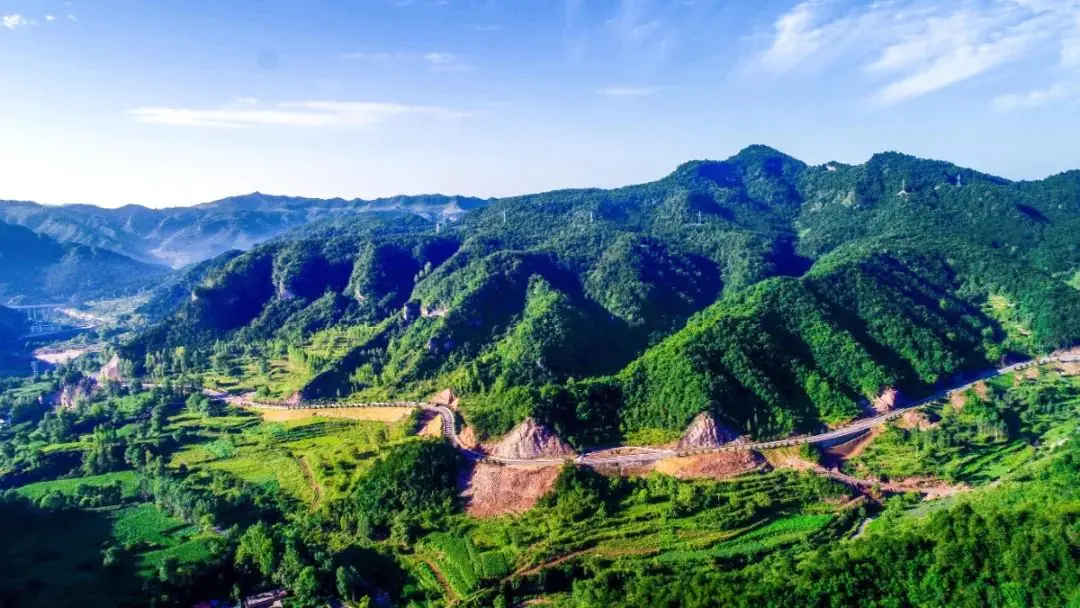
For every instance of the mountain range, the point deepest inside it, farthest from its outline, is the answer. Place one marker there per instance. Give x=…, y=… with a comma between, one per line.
x=124, y=244
x=780, y=297
x=177, y=237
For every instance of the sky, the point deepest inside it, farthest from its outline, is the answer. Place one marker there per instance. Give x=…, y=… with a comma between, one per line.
x=176, y=102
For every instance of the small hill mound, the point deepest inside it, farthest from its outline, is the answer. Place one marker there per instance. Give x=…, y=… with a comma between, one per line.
x=530, y=440
x=706, y=432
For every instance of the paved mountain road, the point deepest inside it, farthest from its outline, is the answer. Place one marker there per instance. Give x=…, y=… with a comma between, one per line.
x=602, y=457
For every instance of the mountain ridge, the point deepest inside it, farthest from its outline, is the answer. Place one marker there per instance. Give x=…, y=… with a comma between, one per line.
x=603, y=313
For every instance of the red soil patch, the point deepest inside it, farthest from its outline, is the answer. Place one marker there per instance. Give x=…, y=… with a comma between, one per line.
x=846, y=451
x=713, y=466
x=491, y=490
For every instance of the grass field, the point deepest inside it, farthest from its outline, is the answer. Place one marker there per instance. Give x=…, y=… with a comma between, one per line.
x=333, y=450
x=128, y=481
x=374, y=414
x=157, y=535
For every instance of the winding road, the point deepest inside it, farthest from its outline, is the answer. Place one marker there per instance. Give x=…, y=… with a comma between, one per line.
x=648, y=455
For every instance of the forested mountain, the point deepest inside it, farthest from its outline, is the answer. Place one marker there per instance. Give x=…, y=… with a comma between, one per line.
x=37, y=268
x=181, y=236
x=12, y=325
x=777, y=295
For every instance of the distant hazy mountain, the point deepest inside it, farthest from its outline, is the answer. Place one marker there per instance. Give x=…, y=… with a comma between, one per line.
x=37, y=268
x=181, y=236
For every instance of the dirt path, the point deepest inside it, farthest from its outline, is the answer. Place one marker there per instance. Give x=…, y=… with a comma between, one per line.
x=537, y=569
x=309, y=476
x=451, y=596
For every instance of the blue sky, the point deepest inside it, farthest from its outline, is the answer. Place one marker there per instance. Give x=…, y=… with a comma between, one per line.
x=172, y=102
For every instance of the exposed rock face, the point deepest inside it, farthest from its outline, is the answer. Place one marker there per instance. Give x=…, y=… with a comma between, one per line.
x=283, y=291
x=72, y=394
x=433, y=311
x=705, y=432
x=410, y=310
x=531, y=440
x=110, y=371
x=886, y=401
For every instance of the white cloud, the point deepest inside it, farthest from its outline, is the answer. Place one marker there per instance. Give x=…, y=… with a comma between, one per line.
x=798, y=36
x=14, y=21
x=50, y=17
x=1061, y=91
x=628, y=91
x=448, y=62
x=437, y=60
x=248, y=112
x=72, y=17
x=917, y=47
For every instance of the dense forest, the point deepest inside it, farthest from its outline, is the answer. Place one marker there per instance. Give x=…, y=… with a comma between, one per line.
x=778, y=295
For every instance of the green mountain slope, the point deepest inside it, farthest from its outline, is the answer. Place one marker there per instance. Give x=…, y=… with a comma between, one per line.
x=778, y=295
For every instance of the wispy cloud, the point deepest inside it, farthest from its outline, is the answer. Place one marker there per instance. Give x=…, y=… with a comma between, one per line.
x=436, y=60
x=487, y=28
x=628, y=91
x=446, y=61
x=644, y=32
x=1061, y=91
x=640, y=29
x=917, y=47
x=249, y=112
x=14, y=21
